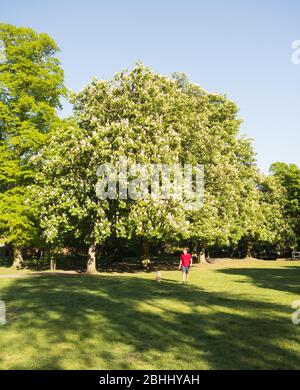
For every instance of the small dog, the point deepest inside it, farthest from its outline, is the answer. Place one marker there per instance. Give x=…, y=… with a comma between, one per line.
x=158, y=276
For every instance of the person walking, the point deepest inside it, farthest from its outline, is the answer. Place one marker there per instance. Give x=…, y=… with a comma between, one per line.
x=186, y=262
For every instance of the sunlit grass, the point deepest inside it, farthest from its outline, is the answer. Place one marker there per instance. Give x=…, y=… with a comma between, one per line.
x=232, y=315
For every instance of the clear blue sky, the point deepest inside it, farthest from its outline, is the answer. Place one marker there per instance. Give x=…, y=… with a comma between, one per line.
x=240, y=48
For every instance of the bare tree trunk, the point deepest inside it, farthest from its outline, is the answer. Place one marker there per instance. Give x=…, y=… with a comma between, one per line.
x=53, y=263
x=18, y=259
x=201, y=253
x=145, y=253
x=247, y=249
x=91, y=264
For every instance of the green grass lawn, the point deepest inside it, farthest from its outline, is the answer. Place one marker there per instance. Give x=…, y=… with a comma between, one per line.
x=233, y=315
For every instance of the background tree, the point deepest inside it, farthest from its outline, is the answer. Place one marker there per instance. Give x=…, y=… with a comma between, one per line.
x=211, y=136
x=289, y=177
x=262, y=218
x=31, y=84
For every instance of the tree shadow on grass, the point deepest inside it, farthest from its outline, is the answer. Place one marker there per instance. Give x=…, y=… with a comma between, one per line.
x=281, y=279
x=136, y=267
x=130, y=322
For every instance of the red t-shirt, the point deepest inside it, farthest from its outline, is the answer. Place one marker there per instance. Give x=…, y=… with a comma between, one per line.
x=186, y=259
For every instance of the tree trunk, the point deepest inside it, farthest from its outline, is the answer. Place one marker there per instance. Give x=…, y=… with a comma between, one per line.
x=117, y=250
x=18, y=259
x=201, y=253
x=53, y=263
x=247, y=249
x=39, y=258
x=145, y=253
x=91, y=264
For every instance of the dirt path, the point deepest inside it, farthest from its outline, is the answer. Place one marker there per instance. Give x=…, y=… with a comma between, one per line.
x=120, y=268
x=36, y=274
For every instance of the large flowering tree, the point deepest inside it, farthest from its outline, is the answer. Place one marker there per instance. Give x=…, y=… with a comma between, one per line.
x=65, y=190
x=133, y=116
x=151, y=119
